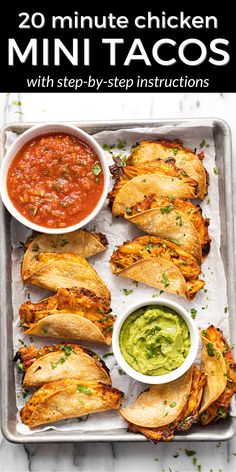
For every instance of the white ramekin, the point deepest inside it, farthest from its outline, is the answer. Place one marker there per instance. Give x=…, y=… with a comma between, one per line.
x=156, y=379
x=42, y=129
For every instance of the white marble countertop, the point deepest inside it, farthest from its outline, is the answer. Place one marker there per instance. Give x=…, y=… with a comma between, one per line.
x=163, y=457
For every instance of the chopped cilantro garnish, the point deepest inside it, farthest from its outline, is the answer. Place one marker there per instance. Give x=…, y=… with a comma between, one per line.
x=128, y=210
x=216, y=170
x=190, y=452
x=121, y=144
x=84, y=389
x=108, y=147
x=175, y=150
x=167, y=209
x=20, y=368
x=202, y=143
x=148, y=247
x=127, y=291
x=173, y=404
x=193, y=313
x=210, y=350
x=107, y=355
x=96, y=169
x=175, y=241
x=164, y=280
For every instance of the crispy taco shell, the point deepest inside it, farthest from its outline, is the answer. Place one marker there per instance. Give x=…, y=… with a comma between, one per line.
x=134, y=190
x=218, y=363
x=187, y=417
x=67, y=270
x=160, y=404
x=69, y=314
x=68, y=398
x=185, y=159
x=173, y=219
x=60, y=361
x=79, y=242
x=158, y=263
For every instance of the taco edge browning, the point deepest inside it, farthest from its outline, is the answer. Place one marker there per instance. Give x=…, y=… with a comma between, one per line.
x=67, y=270
x=135, y=189
x=68, y=398
x=185, y=159
x=186, y=418
x=172, y=218
x=79, y=242
x=69, y=314
x=158, y=263
x=218, y=363
x=56, y=362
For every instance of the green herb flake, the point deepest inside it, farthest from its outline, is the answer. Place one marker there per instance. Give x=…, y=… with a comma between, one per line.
x=25, y=393
x=202, y=143
x=127, y=291
x=210, y=350
x=96, y=169
x=199, y=468
x=121, y=372
x=164, y=280
x=128, y=210
x=108, y=354
x=121, y=144
x=148, y=247
x=107, y=330
x=175, y=150
x=20, y=368
x=194, y=460
x=190, y=452
x=176, y=455
x=179, y=221
x=156, y=459
x=35, y=247
x=108, y=147
x=84, y=389
x=193, y=313
x=45, y=332
x=173, y=404
x=208, y=201
x=216, y=170
x=21, y=342
x=225, y=309
x=167, y=209
x=175, y=241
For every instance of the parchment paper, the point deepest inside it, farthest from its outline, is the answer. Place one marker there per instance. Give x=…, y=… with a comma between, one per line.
x=210, y=303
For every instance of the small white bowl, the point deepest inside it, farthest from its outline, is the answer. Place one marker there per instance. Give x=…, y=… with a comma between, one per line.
x=156, y=379
x=39, y=130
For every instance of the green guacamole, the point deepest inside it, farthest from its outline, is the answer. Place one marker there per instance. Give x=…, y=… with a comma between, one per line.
x=154, y=340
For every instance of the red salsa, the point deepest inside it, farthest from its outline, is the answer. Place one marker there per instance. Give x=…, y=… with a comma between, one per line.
x=55, y=180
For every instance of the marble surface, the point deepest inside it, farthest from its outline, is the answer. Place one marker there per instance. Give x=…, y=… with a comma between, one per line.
x=164, y=457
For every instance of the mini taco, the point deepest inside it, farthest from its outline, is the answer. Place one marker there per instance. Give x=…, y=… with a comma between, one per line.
x=185, y=159
x=158, y=263
x=68, y=398
x=219, y=365
x=56, y=362
x=69, y=314
x=159, y=177
x=79, y=242
x=53, y=271
x=163, y=409
x=173, y=219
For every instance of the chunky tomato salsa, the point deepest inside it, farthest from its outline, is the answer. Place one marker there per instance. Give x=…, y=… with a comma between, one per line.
x=55, y=180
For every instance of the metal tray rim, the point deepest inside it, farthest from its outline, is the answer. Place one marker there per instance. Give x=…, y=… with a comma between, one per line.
x=52, y=436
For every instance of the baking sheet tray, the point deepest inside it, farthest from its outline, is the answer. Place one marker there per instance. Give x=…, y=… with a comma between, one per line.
x=222, y=430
